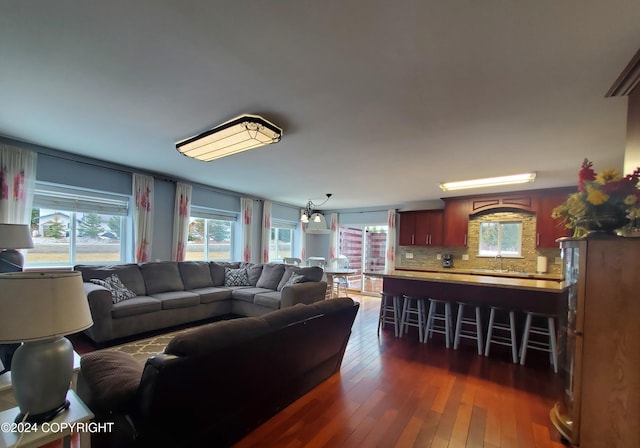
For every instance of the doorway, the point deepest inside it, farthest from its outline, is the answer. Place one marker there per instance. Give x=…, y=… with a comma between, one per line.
x=365, y=248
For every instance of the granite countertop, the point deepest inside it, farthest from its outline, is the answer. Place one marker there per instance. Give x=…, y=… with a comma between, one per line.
x=451, y=276
x=491, y=272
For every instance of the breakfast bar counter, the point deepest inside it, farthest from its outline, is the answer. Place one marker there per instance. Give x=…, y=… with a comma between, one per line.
x=547, y=296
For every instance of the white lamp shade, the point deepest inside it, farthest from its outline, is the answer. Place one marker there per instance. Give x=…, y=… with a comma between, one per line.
x=42, y=305
x=15, y=236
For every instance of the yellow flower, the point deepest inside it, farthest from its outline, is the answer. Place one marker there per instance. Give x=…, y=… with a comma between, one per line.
x=597, y=197
x=608, y=175
x=630, y=200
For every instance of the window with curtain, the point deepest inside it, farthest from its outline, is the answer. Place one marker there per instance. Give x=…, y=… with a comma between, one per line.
x=281, y=240
x=211, y=235
x=74, y=226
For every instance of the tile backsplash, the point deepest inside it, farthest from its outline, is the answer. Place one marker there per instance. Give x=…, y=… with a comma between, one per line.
x=425, y=257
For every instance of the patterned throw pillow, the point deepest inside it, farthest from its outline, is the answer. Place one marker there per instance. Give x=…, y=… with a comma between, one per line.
x=236, y=277
x=295, y=278
x=119, y=292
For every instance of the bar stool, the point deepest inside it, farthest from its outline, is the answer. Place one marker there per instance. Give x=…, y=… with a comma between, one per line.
x=413, y=315
x=548, y=331
x=470, y=333
x=509, y=328
x=439, y=321
x=389, y=312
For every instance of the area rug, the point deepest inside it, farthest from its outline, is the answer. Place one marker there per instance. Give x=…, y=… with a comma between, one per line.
x=144, y=348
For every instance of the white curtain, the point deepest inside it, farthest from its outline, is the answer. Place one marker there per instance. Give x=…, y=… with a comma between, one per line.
x=181, y=214
x=143, y=215
x=391, y=241
x=266, y=231
x=17, y=184
x=334, y=243
x=246, y=204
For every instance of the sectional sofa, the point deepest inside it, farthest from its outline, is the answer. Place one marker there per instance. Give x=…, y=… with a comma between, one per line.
x=216, y=383
x=129, y=299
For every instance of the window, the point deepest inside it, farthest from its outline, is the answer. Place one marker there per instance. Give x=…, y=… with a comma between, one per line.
x=281, y=239
x=72, y=226
x=500, y=238
x=280, y=243
x=210, y=235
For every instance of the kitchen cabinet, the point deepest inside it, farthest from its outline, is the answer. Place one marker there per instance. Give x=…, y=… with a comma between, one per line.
x=599, y=343
x=421, y=228
x=456, y=222
x=548, y=230
x=520, y=200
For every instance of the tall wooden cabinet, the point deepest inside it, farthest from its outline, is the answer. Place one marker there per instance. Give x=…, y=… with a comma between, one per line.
x=600, y=344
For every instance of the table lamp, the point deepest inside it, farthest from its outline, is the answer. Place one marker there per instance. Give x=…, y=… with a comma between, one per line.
x=38, y=309
x=12, y=237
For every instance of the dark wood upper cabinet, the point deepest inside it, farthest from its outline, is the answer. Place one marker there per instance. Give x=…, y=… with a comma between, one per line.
x=456, y=222
x=548, y=230
x=541, y=202
x=421, y=228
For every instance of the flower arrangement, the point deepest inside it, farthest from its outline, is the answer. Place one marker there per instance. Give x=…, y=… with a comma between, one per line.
x=604, y=200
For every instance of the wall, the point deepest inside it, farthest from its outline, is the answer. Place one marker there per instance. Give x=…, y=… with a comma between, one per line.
x=426, y=257
x=64, y=168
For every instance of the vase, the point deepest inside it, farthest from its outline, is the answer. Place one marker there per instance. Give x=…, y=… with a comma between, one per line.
x=605, y=223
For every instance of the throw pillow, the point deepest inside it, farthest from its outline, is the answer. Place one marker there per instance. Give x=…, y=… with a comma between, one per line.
x=270, y=277
x=236, y=277
x=119, y=291
x=295, y=278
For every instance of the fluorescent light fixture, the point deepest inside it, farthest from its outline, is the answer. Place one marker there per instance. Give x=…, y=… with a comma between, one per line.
x=240, y=134
x=489, y=182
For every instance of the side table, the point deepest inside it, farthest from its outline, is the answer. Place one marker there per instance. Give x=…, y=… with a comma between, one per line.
x=56, y=429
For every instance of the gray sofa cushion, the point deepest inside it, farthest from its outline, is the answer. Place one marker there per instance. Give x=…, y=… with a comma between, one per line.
x=161, y=276
x=209, y=338
x=217, y=271
x=129, y=274
x=135, y=306
x=177, y=299
x=212, y=294
x=271, y=276
x=268, y=299
x=248, y=294
x=113, y=378
x=311, y=274
x=254, y=271
x=195, y=274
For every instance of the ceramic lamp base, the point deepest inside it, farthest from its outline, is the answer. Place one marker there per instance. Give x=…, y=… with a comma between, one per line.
x=41, y=372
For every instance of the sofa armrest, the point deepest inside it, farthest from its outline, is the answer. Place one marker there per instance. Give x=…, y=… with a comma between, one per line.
x=306, y=293
x=100, y=304
x=108, y=381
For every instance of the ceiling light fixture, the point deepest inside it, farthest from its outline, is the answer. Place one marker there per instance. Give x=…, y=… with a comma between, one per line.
x=489, y=182
x=240, y=134
x=308, y=213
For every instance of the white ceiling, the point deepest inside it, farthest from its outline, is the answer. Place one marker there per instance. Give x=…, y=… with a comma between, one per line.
x=380, y=101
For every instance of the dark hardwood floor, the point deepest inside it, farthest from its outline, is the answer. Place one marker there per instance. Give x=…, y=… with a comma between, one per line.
x=394, y=392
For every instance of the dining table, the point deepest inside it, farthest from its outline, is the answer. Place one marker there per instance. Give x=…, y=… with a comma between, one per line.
x=334, y=275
